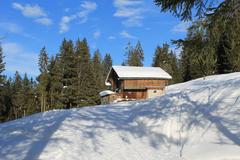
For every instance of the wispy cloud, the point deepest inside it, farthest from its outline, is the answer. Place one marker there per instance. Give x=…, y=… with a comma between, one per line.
x=131, y=10
x=10, y=27
x=33, y=11
x=86, y=8
x=44, y=21
x=181, y=27
x=18, y=59
x=111, y=37
x=125, y=34
x=64, y=24
x=66, y=9
x=96, y=34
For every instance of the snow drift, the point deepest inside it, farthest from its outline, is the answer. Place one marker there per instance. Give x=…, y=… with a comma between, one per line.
x=196, y=120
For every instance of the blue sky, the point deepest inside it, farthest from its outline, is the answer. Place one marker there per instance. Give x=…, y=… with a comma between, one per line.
x=108, y=25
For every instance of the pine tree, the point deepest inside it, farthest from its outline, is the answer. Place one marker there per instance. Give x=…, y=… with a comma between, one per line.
x=162, y=58
x=137, y=57
x=69, y=73
x=185, y=66
x=168, y=61
x=33, y=104
x=223, y=63
x=107, y=65
x=133, y=56
x=3, y=107
x=175, y=68
x=7, y=113
x=43, y=78
x=128, y=52
x=183, y=8
x=56, y=86
x=2, y=67
x=26, y=93
x=85, y=75
x=17, y=97
x=98, y=76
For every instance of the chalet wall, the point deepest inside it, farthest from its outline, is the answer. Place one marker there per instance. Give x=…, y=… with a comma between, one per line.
x=151, y=93
x=135, y=94
x=144, y=83
x=114, y=80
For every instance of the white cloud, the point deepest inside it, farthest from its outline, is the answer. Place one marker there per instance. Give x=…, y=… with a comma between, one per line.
x=111, y=37
x=123, y=3
x=18, y=59
x=10, y=27
x=181, y=27
x=33, y=11
x=44, y=21
x=96, y=34
x=86, y=8
x=28, y=10
x=89, y=6
x=16, y=29
x=131, y=10
x=64, y=24
x=125, y=34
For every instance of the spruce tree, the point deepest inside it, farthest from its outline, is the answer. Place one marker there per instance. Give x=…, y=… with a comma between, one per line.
x=7, y=113
x=67, y=63
x=137, y=55
x=223, y=63
x=128, y=53
x=43, y=78
x=167, y=60
x=2, y=95
x=17, y=97
x=133, y=56
x=85, y=75
x=33, y=104
x=162, y=58
x=185, y=66
x=183, y=8
x=98, y=75
x=56, y=86
x=175, y=68
x=107, y=65
x=2, y=67
x=26, y=93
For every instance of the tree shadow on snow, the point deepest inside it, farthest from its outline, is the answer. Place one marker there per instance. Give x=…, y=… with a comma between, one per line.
x=142, y=120
x=27, y=138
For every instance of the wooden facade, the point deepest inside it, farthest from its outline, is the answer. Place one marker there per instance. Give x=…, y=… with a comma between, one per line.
x=134, y=88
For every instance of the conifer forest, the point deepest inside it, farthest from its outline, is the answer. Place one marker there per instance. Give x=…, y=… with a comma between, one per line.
x=74, y=77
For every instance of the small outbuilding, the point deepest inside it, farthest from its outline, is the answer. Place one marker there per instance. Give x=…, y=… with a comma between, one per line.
x=132, y=83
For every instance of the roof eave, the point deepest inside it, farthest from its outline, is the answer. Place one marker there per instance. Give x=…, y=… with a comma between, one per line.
x=160, y=78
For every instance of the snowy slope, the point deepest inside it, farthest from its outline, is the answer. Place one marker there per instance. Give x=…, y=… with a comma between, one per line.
x=197, y=120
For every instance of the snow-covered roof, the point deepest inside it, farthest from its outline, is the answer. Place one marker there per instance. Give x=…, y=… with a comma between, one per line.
x=128, y=72
x=106, y=92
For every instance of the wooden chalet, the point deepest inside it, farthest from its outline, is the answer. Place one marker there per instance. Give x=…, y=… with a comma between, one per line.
x=132, y=83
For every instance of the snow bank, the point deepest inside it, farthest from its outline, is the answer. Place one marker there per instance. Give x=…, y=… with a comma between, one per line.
x=196, y=120
x=106, y=92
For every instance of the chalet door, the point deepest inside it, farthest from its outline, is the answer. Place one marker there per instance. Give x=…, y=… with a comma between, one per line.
x=129, y=95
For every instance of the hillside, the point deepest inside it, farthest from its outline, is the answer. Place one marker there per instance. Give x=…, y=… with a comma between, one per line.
x=196, y=120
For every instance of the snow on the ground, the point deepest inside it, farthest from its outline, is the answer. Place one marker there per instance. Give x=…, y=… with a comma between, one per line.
x=197, y=120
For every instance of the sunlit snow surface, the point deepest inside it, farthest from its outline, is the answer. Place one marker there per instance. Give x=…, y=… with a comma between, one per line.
x=197, y=120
